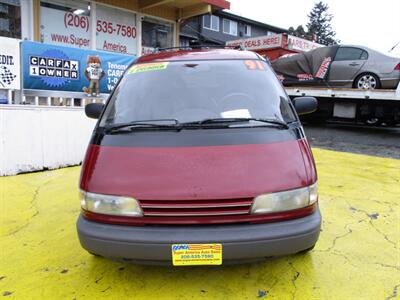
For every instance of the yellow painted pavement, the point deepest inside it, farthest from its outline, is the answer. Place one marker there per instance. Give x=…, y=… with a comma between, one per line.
x=357, y=256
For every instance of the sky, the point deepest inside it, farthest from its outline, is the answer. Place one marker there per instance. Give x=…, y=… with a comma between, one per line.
x=371, y=23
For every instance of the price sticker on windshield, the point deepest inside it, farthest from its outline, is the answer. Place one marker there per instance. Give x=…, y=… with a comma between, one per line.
x=254, y=65
x=139, y=68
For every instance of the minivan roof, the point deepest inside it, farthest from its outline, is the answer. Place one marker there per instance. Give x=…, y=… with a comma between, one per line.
x=198, y=54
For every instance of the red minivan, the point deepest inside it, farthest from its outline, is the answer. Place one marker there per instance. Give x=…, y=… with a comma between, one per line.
x=198, y=158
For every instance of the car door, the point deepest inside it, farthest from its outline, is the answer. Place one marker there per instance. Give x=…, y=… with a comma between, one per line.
x=346, y=64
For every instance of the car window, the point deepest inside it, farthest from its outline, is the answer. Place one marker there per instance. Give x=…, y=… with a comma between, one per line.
x=349, y=53
x=364, y=55
x=196, y=90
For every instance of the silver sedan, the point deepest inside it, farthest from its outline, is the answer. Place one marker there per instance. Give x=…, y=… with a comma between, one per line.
x=339, y=66
x=363, y=68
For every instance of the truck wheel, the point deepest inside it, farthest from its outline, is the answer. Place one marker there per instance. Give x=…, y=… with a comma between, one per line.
x=392, y=123
x=367, y=81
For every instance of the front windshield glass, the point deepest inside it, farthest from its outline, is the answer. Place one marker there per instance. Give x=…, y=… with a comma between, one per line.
x=191, y=91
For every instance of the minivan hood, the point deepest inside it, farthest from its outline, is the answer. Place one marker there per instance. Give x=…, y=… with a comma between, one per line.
x=197, y=172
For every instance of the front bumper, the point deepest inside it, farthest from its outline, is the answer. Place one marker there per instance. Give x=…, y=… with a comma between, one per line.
x=240, y=242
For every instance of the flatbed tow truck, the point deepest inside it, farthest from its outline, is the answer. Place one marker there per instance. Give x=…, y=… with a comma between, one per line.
x=372, y=107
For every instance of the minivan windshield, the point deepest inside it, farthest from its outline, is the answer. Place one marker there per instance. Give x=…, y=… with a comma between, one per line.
x=192, y=91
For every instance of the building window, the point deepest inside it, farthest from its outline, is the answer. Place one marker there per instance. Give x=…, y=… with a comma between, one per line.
x=247, y=30
x=211, y=22
x=10, y=18
x=65, y=23
x=116, y=30
x=229, y=27
x=156, y=34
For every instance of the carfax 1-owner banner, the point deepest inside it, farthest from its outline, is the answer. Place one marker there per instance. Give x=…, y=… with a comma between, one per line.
x=9, y=64
x=50, y=67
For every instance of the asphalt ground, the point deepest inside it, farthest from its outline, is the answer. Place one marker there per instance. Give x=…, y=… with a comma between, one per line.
x=376, y=141
x=356, y=257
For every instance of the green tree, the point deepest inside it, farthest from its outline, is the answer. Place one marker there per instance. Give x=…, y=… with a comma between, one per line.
x=319, y=26
x=299, y=31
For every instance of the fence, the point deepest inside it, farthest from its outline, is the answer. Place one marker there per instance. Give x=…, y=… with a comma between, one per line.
x=47, y=130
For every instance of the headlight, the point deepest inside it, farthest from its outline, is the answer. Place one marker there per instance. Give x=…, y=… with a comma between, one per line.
x=287, y=200
x=110, y=205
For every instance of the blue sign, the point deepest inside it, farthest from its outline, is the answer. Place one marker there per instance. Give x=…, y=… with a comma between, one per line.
x=50, y=67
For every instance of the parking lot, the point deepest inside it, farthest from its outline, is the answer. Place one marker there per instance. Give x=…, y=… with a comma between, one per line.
x=356, y=257
x=376, y=141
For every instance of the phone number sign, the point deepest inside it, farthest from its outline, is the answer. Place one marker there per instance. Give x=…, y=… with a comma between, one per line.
x=116, y=30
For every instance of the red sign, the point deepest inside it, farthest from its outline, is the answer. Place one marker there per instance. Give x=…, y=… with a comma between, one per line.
x=262, y=42
x=275, y=41
x=299, y=44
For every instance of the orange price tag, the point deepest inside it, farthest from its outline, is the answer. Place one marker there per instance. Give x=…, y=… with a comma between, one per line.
x=254, y=65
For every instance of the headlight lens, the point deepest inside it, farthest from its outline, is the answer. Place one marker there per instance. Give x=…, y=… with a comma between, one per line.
x=110, y=205
x=287, y=200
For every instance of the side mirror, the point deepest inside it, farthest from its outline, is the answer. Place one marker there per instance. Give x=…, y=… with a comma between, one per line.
x=93, y=110
x=305, y=105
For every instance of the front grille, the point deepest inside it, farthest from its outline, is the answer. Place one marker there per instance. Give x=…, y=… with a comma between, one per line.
x=198, y=208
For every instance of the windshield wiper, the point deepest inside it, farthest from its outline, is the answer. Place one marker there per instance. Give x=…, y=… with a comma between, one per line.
x=238, y=120
x=143, y=124
x=206, y=123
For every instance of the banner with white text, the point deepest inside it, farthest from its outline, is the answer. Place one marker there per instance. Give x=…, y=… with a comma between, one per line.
x=51, y=67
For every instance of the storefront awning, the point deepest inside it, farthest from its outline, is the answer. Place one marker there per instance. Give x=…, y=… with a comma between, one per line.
x=170, y=9
x=185, y=8
x=218, y=4
x=222, y=4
